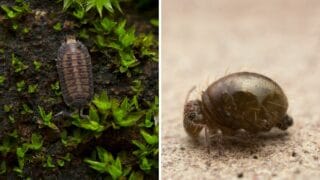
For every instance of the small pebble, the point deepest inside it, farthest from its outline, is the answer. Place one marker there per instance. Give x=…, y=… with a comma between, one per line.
x=240, y=175
x=315, y=157
x=297, y=171
x=208, y=163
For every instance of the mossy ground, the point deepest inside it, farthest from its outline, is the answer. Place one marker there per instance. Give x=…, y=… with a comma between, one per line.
x=41, y=44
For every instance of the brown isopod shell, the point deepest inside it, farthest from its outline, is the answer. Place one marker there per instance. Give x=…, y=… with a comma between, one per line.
x=243, y=100
x=75, y=73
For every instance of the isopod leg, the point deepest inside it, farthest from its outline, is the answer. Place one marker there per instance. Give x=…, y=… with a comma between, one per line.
x=217, y=136
x=191, y=128
x=70, y=115
x=83, y=116
x=189, y=93
x=207, y=138
x=63, y=114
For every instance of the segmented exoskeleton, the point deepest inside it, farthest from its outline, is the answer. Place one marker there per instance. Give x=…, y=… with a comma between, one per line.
x=75, y=73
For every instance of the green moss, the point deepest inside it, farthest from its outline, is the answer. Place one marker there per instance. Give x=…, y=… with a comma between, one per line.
x=137, y=87
x=98, y=5
x=56, y=88
x=57, y=26
x=151, y=114
x=150, y=139
x=15, y=26
x=3, y=167
x=106, y=164
x=107, y=24
x=11, y=119
x=20, y=152
x=60, y=162
x=103, y=103
x=20, y=85
x=26, y=109
x=154, y=22
x=5, y=147
x=9, y=145
x=73, y=140
x=83, y=34
x=17, y=64
x=16, y=11
x=136, y=176
x=101, y=41
x=25, y=30
x=32, y=88
x=7, y=107
x=125, y=114
x=146, y=43
x=47, y=118
x=147, y=151
x=92, y=123
x=49, y=163
x=113, y=34
x=36, y=142
x=2, y=79
x=79, y=13
x=37, y=65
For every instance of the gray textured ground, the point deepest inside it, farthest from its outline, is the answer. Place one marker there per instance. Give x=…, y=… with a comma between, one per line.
x=206, y=39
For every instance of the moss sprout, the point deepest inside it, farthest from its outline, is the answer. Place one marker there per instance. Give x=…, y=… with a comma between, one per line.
x=17, y=64
x=57, y=26
x=20, y=85
x=2, y=79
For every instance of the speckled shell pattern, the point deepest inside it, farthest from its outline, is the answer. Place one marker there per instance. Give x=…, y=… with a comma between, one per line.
x=244, y=100
x=75, y=74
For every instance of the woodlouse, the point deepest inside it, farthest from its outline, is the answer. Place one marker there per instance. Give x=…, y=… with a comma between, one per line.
x=75, y=73
x=240, y=101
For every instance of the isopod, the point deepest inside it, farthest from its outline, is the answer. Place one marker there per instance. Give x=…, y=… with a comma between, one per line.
x=75, y=73
x=240, y=101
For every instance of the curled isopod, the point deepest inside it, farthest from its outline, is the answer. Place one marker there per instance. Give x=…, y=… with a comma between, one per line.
x=240, y=101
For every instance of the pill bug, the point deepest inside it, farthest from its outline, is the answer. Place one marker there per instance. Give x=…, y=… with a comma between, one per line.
x=75, y=73
x=243, y=100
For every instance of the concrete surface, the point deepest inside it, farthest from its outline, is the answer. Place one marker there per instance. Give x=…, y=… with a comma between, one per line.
x=206, y=39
